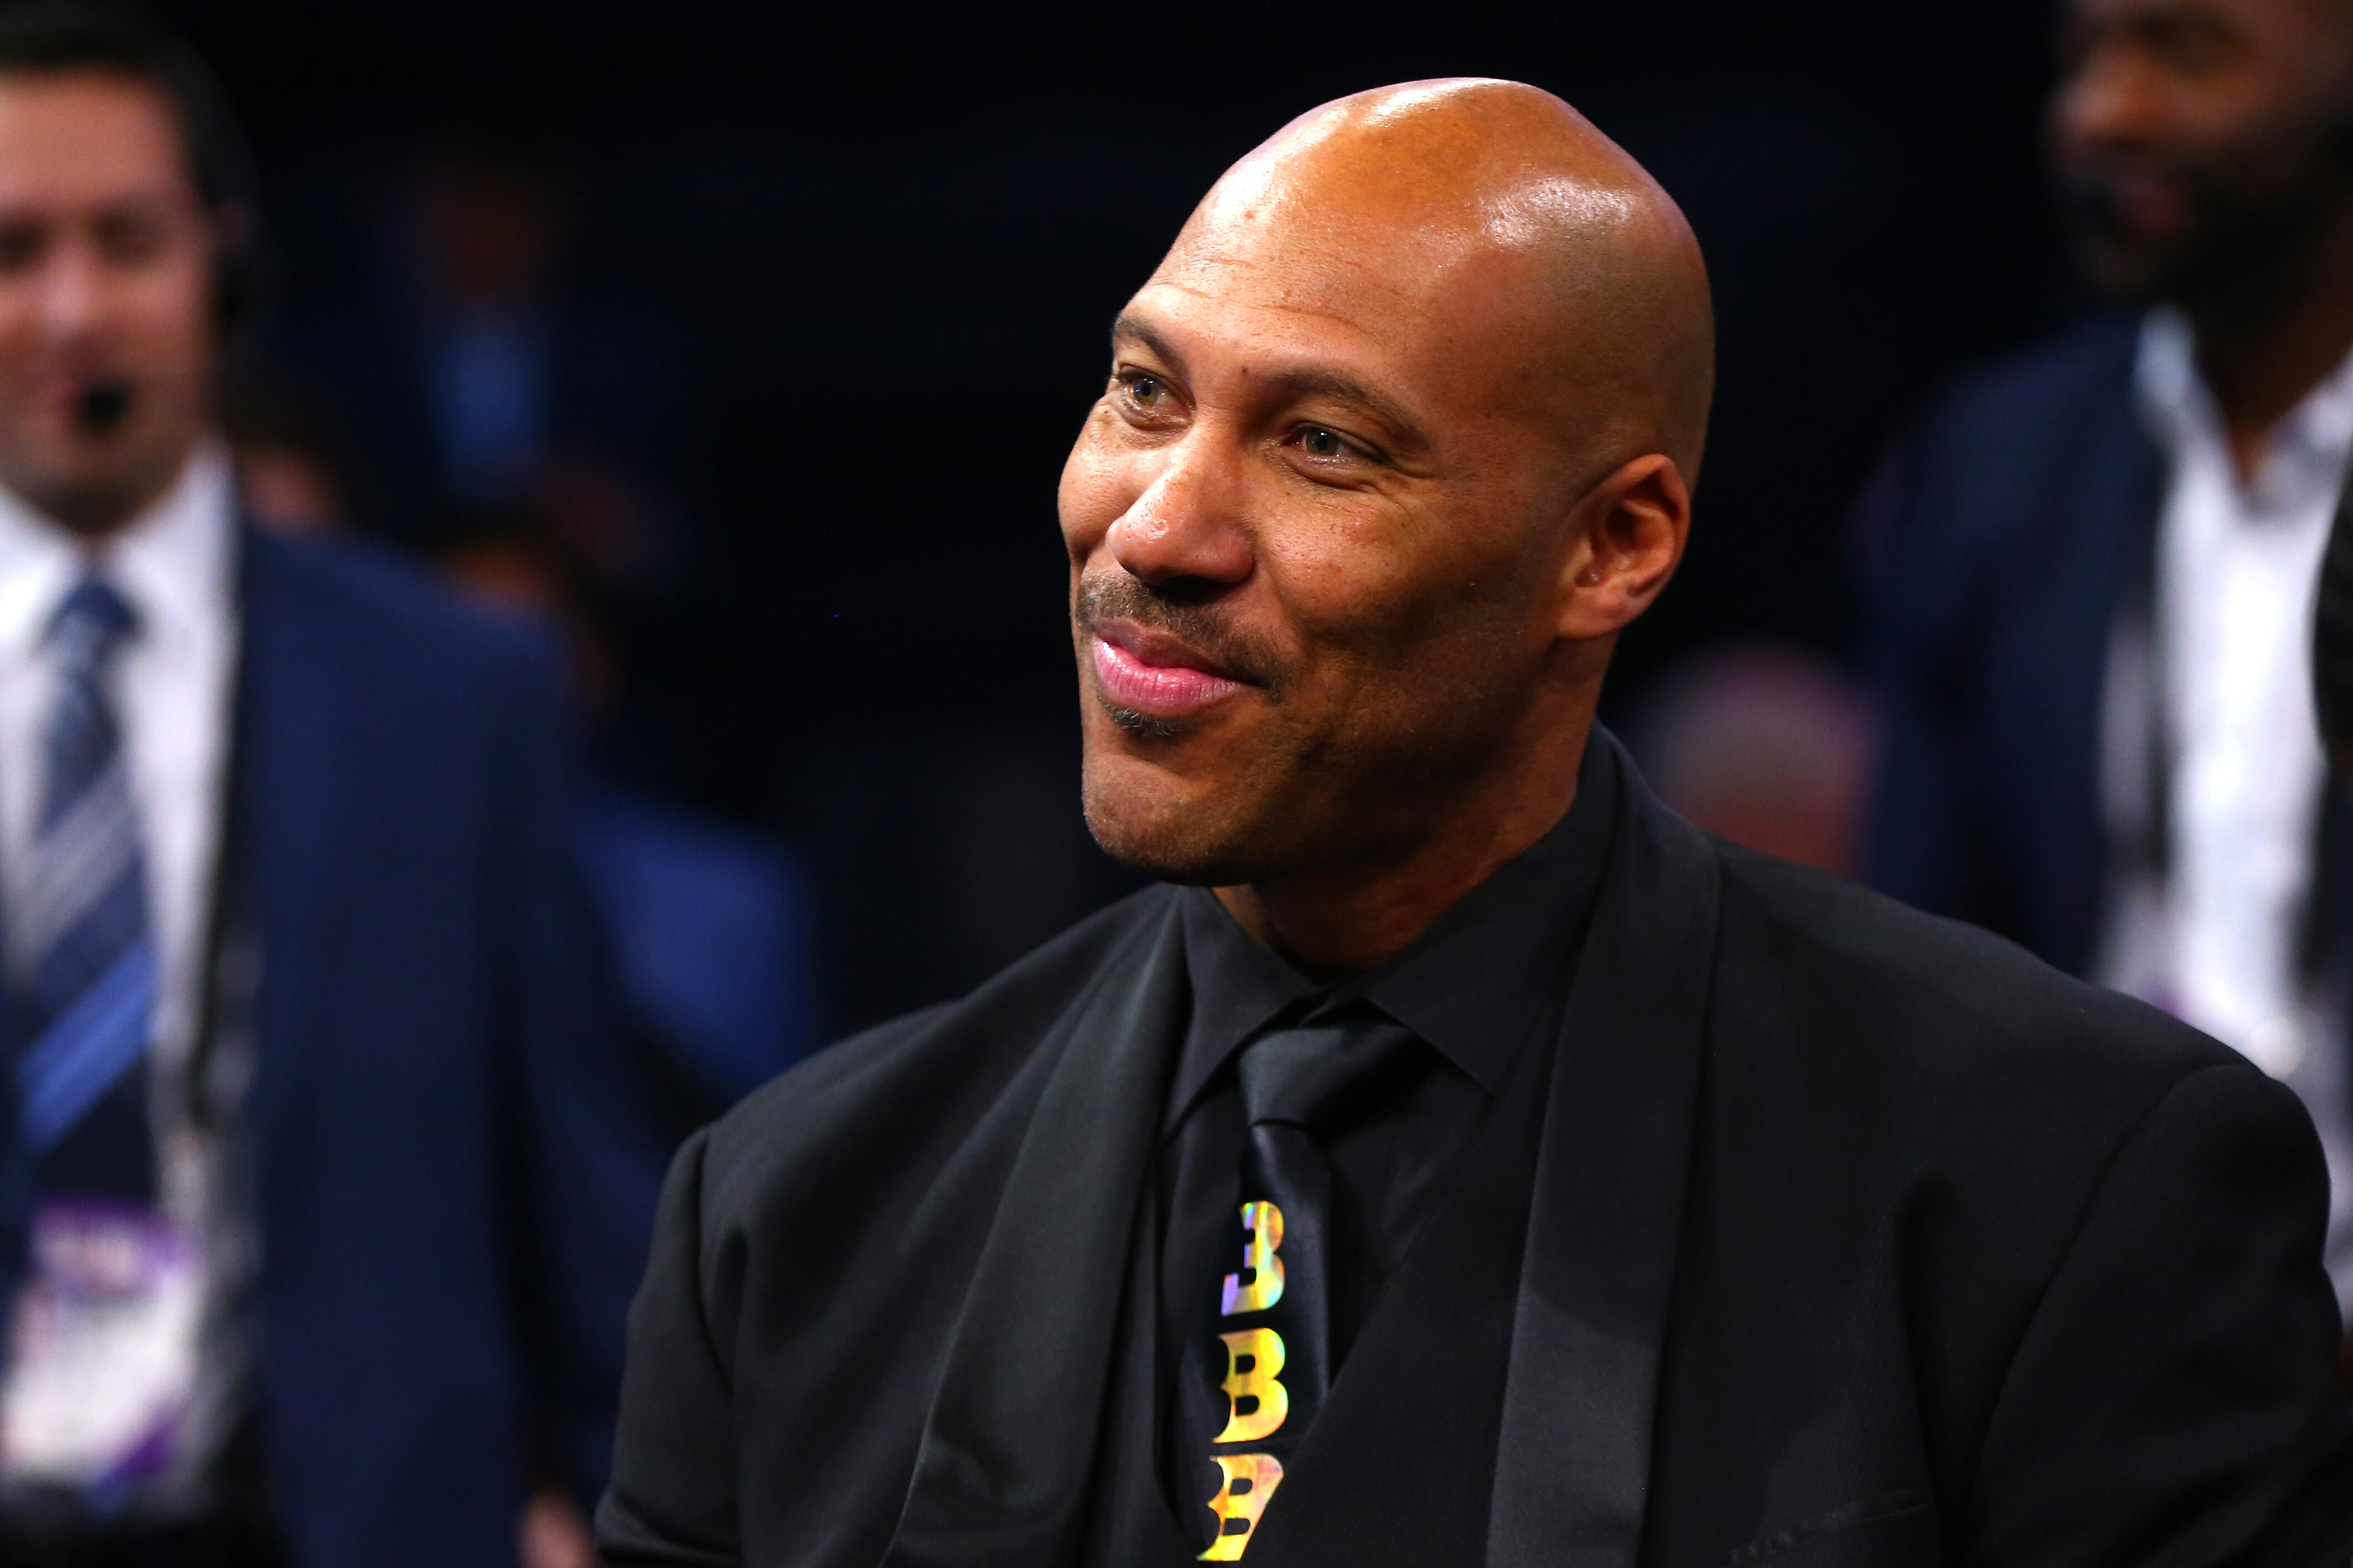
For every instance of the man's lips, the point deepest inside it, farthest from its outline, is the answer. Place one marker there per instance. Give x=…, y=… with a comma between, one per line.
x=61, y=396
x=1153, y=674
x=2147, y=206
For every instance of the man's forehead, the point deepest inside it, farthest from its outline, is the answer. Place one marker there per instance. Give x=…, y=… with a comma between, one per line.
x=84, y=135
x=1339, y=263
x=1209, y=334
x=1352, y=284
x=1350, y=226
x=2231, y=16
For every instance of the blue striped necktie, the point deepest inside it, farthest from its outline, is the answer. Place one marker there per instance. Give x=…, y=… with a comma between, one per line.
x=85, y=979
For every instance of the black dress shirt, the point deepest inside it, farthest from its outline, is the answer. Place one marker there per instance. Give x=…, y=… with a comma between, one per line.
x=1488, y=977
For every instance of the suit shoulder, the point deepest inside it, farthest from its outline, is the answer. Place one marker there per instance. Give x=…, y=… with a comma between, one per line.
x=1954, y=1002
x=1988, y=466
x=916, y=1082
x=383, y=605
x=2089, y=363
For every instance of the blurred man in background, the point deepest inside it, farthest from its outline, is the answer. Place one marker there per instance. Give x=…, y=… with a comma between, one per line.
x=293, y=471
x=329, y=1209
x=712, y=929
x=2096, y=562
x=483, y=372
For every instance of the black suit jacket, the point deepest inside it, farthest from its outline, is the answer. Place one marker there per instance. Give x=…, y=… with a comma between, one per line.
x=1854, y=1236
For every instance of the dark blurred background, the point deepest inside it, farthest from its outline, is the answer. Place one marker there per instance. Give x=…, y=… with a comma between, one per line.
x=749, y=342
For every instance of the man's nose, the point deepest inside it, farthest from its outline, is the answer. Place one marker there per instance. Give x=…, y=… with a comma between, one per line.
x=73, y=291
x=1187, y=523
x=2108, y=104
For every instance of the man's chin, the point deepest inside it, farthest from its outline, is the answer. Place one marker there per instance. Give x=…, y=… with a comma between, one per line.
x=1160, y=824
x=86, y=493
x=2126, y=272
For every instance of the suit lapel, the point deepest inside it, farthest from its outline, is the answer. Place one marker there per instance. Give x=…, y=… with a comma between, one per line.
x=1572, y=1466
x=1010, y=1447
x=2089, y=559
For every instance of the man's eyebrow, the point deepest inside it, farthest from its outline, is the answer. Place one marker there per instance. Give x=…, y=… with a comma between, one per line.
x=1306, y=382
x=1348, y=389
x=1127, y=326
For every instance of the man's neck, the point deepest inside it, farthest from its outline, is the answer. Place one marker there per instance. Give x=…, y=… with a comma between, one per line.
x=2268, y=338
x=95, y=514
x=1349, y=917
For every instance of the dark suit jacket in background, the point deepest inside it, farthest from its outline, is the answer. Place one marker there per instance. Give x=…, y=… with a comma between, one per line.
x=452, y=1194
x=1854, y=1237
x=2003, y=535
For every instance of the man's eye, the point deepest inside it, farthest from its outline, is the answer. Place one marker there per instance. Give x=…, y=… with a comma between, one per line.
x=1318, y=442
x=20, y=246
x=131, y=239
x=2190, y=45
x=1146, y=391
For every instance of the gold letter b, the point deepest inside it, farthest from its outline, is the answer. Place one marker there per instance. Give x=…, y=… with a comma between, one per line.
x=1244, y=1483
x=1262, y=1350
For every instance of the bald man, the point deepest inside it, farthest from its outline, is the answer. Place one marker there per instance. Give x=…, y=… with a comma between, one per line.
x=1459, y=1159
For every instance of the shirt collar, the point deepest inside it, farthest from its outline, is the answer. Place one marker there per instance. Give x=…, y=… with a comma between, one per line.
x=173, y=562
x=1475, y=985
x=2172, y=395
x=2307, y=450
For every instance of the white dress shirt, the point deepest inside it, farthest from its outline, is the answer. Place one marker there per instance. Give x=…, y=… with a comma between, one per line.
x=175, y=564
x=2237, y=567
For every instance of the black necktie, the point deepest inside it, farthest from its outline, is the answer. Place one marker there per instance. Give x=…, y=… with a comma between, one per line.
x=1255, y=1374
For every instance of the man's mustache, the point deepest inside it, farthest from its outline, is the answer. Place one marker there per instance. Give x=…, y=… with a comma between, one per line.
x=1116, y=595
x=2097, y=202
x=2096, y=193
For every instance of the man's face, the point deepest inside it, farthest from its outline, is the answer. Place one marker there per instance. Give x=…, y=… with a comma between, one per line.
x=106, y=332
x=1313, y=525
x=2194, y=138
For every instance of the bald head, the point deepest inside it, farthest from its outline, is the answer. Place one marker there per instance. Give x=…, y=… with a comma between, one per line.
x=1499, y=202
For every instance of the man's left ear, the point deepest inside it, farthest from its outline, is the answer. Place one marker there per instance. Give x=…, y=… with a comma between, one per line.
x=1636, y=521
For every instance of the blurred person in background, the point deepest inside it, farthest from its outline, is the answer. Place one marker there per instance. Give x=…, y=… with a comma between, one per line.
x=291, y=458
x=320, y=1162
x=1766, y=745
x=482, y=373
x=2094, y=563
x=712, y=929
